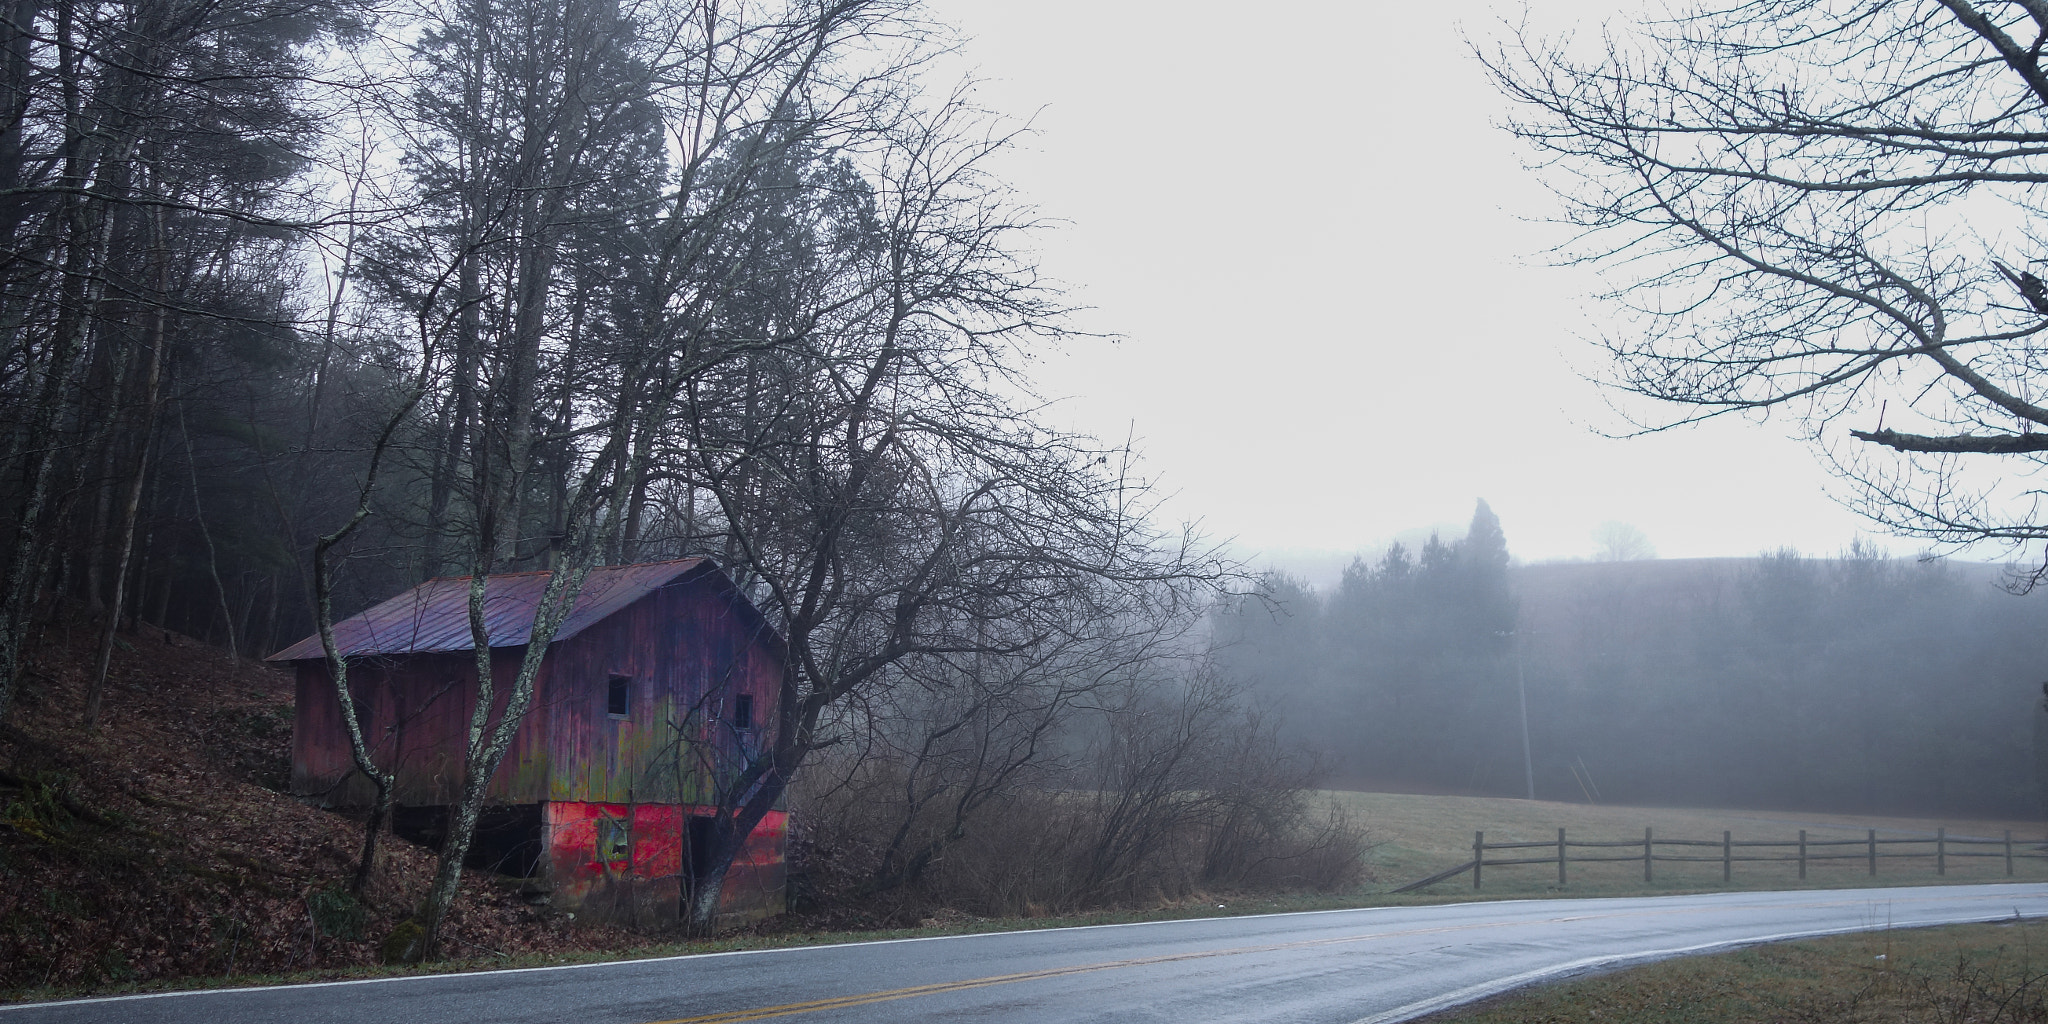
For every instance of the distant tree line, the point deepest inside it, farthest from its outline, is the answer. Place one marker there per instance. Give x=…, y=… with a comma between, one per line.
x=1857, y=683
x=1397, y=669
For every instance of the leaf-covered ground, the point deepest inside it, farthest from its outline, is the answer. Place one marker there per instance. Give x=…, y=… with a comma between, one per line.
x=162, y=848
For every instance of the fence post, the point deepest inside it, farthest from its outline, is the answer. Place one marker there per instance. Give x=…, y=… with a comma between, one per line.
x=1727, y=856
x=2008, y=853
x=1941, y=851
x=1646, y=854
x=1478, y=856
x=1802, y=853
x=1560, y=856
x=1873, y=853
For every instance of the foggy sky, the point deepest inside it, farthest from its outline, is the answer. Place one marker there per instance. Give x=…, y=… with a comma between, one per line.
x=1325, y=266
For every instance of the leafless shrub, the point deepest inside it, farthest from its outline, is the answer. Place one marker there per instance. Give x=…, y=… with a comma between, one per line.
x=1153, y=790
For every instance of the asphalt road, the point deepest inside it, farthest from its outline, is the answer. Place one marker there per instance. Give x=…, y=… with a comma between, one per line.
x=1334, y=967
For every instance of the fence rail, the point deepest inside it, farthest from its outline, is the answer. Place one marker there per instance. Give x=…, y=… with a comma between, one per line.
x=1868, y=849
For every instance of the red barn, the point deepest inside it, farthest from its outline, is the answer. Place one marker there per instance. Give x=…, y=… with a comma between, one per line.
x=657, y=685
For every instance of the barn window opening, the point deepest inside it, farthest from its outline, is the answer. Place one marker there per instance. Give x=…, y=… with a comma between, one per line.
x=743, y=711
x=618, y=698
x=615, y=842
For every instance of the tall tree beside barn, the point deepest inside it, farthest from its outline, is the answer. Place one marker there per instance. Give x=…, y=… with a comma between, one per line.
x=885, y=499
x=535, y=127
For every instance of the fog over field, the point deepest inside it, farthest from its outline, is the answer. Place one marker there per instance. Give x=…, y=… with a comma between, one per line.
x=1785, y=652
x=1853, y=683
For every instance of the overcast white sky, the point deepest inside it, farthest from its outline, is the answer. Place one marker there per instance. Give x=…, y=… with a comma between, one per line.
x=1324, y=264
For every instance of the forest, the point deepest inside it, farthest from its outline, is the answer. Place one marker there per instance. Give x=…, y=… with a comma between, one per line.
x=1853, y=683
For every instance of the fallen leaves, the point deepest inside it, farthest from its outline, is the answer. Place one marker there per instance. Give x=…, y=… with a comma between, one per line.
x=162, y=848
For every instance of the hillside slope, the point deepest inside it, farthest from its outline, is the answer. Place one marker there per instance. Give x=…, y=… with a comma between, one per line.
x=162, y=848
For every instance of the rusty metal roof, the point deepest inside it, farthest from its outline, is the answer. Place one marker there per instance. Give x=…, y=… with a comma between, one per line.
x=434, y=616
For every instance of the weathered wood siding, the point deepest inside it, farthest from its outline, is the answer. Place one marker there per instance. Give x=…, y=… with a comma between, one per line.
x=690, y=649
x=415, y=712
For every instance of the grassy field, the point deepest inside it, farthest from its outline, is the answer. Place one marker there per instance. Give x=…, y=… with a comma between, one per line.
x=1421, y=835
x=1967, y=973
x=1988, y=973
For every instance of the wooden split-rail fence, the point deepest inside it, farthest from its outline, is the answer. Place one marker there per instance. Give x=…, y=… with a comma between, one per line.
x=1803, y=850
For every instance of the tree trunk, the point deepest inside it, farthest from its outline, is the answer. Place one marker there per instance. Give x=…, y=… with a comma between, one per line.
x=491, y=731
x=704, y=897
x=220, y=590
x=130, y=511
x=129, y=514
x=25, y=559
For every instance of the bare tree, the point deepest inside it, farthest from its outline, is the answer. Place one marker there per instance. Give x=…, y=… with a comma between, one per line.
x=521, y=124
x=591, y=188
x=360, y=746
x=1615, y=541
x=1827, y=208
x=957, y=732
x=873, y=478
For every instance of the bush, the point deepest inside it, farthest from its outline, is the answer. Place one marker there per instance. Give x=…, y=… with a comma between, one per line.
x=1159, y=791
x=39, y=809
x=406, y=943
x=336, y=913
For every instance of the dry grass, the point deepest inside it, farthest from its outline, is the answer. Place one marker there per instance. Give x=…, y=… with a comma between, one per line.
x=1421, y=835
x=1985, y=974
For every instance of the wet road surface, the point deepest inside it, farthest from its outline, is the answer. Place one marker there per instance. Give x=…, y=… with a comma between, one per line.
x=1372, y=966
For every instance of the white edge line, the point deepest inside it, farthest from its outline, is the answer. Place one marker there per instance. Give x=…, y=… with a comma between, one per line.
x=722, y=953
x=1384, y=1018
x=1497, y=986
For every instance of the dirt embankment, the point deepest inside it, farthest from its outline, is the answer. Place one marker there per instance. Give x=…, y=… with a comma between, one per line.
x=162, y=847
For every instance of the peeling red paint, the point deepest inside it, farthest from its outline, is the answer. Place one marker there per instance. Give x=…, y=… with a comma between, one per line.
x=581, y=852
x=629, y=860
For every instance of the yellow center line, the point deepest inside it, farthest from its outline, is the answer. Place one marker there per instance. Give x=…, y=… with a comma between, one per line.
x=864, y=998
x=940, y=988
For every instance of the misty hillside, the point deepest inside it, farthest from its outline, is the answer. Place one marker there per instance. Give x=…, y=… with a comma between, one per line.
x=1846, y=684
